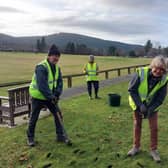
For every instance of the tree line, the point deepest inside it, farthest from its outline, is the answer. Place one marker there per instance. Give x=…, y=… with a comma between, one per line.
x=149, y=50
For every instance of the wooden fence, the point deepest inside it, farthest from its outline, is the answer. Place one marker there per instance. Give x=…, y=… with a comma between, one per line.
x=69, y=78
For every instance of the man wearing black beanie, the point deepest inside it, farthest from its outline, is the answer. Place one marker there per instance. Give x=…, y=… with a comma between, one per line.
x=45, y=90
x=53, y=51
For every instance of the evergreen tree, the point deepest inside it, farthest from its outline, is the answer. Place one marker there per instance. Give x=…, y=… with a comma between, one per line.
x=112, y=51
x=166, y=51
x=148, y=46
x=132, y=53
x=68, y=48
x=72, y=48
x=43, y=44
x=38, y=45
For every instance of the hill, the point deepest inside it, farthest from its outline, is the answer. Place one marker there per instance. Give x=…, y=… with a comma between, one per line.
x=28, y=43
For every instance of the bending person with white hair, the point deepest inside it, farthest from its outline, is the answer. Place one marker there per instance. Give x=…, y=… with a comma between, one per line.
x=147, y=91
x=91, y=70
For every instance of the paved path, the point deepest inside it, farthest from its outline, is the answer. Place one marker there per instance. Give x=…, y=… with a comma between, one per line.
x=74, y=91
x=70, y=92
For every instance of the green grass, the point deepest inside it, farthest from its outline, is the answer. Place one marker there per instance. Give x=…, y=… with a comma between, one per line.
x=20, y=66
x=102, y=133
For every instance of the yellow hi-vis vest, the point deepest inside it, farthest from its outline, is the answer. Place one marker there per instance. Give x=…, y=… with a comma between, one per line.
x=91, y=70
x=143, y=87
x=52, y=81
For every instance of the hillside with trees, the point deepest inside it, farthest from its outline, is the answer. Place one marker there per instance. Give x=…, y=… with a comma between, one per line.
x=79, y=44
x=66, y=42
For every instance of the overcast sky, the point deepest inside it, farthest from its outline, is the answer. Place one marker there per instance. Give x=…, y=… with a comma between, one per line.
x=130, y=21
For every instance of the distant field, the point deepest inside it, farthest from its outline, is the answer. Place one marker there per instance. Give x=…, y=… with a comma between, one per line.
x=20, y=66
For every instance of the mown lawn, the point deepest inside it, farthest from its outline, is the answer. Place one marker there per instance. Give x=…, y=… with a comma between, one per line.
x=101, y=136
x=16, y=66
x=20, y=66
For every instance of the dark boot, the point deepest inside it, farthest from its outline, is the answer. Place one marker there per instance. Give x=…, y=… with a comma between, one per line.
x=97, y=97
x=30, y=141
x=64, y=139
x=90, y=98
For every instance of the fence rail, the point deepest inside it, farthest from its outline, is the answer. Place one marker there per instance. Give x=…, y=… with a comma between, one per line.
x=70, y=77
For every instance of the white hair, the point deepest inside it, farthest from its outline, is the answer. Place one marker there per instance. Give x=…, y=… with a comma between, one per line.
x=159, y=61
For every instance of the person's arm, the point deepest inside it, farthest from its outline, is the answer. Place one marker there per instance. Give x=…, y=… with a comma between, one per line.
x=97, y=69
x=133, y=90
x=158, y=99
x=59, y=88
x=84, y=68
x=42, y=82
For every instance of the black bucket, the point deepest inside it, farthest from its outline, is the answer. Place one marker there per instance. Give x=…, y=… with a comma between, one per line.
x=114, y=99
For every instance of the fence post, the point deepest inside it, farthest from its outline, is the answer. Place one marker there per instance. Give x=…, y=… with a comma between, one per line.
x=69, y=78
x=119, y=73
x=106, y=75
x=11, y=108
x=135, y=68
x=1, y=120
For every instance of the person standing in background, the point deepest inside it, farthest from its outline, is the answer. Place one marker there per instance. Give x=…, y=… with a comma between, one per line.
x=91, y=70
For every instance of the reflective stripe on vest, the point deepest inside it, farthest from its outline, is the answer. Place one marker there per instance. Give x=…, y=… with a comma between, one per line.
x=143, y=87
x=52, y=81
x=91, y=70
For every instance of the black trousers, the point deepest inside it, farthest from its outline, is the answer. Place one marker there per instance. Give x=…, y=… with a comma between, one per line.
x=37, y=105
x=94, y=84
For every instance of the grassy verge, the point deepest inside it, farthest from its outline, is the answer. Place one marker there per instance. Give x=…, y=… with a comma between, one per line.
x=102, y=135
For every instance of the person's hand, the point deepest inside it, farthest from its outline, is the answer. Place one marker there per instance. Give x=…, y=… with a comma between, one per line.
x=55, y=100
x=143, y=109
x=86, y=73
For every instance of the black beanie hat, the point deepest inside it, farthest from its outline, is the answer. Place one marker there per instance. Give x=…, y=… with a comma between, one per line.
x=53, y=51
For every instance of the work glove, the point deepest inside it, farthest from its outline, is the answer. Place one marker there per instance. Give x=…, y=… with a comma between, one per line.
x=143, y=110
x=55, y=100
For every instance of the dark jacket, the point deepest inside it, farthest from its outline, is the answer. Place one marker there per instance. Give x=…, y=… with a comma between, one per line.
x=42, y=82
x=152, y=81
